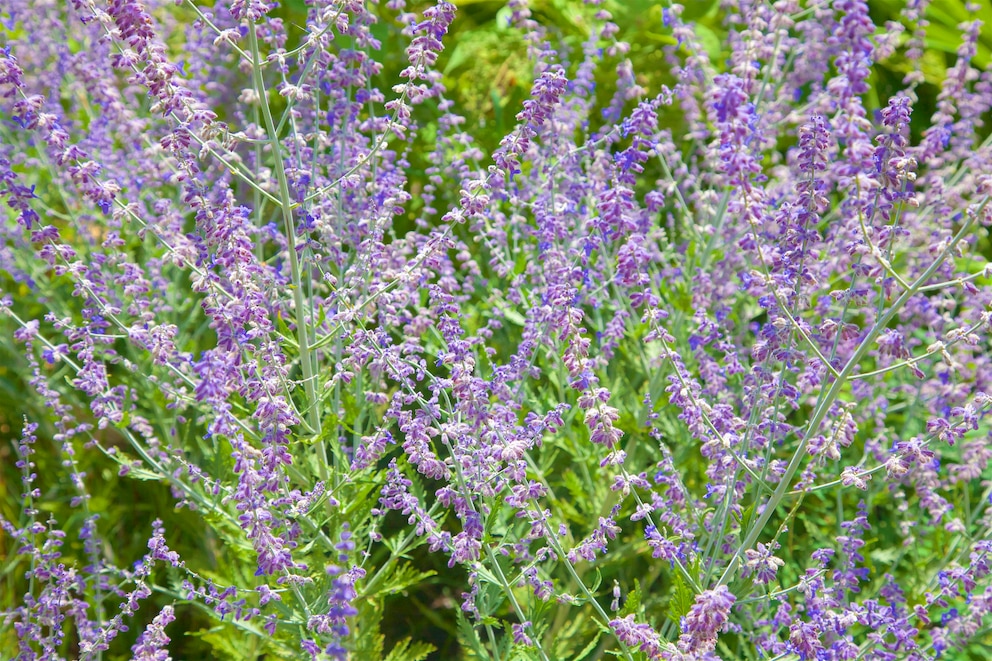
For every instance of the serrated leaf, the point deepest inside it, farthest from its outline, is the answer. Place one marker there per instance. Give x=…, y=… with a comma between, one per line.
x=229, y=643
x=402, y=577
x=467, y=635
x=682, y=599
x=493, y=520
x=143, y=475
x=591, y=646
x=404, y=650
x=572, y=483
x=885, y=556
x=632, y=603
x=368, y=639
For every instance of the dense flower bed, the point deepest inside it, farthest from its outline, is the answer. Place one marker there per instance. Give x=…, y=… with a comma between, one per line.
x=686, y=371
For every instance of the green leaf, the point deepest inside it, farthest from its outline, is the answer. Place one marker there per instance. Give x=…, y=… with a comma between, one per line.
x=569, y=637
x=503, y=17
x=709, y=40
x=493, y=521
x=745, y=518
x=696, y=10
x=460, y=54
x=885, y=556
x=578, y=501
x=514, y=317
x=404, y=650
x=682, y=599
x=369, y=641
x=593, y=644
x=402, y=577
x=632, y=604
x=468, y=637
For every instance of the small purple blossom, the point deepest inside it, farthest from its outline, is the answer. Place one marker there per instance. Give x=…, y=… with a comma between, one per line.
x=707, y=617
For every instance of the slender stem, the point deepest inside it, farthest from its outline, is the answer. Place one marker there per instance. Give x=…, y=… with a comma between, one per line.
x=286, y=203
x=834, y=392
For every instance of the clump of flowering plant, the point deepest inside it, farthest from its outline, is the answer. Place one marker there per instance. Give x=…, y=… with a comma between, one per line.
x=691, y=368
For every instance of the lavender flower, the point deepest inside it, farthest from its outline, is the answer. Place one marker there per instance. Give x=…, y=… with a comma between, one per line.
x=707, y=617
x=153, y=639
